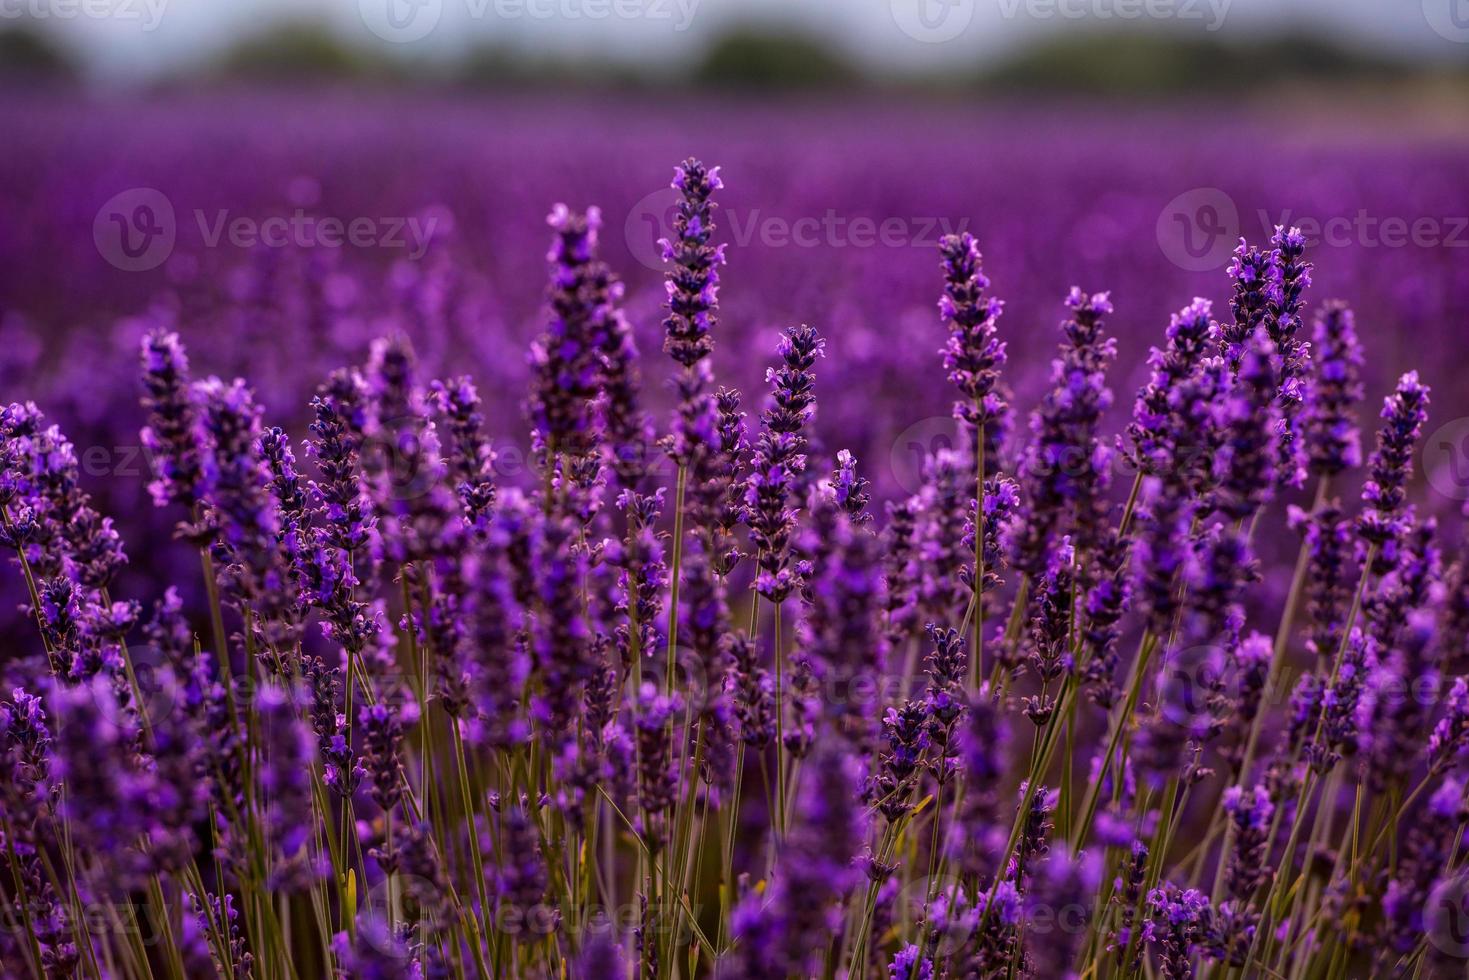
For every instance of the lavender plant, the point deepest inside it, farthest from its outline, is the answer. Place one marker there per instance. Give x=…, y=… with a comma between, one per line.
x=427, y=719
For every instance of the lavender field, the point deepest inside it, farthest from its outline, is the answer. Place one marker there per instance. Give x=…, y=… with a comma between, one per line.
x=931, y=544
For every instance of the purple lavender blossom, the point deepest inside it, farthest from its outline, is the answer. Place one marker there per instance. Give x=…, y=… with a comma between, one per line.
x=235, y=486
x=1157, y=428
x=1256, y=281
x=1178, y=922
x=1065, y=471
x=1330, y=575
x=337, y=430
x=658, y=775
x=286, y=756
x=910, y=964
x=1328, y=418
x=403, y=469
x=1060, y=896
x=818, y=871
x=693, y=285
x=1384, y=494
x=1246, y=466
x=779, y=461
x=471, y=460
x=565, y=359
x=973, y=354
x=170, y=436
x=1292, y=277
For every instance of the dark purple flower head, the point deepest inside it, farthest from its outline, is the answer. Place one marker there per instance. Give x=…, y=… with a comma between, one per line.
x=107, y=795
x=842, y=640
x=1250, y=812
x=658, y=774
x=1245, y=466
x=601, y=958
x=906, y=731
x=1283, y=323
x=1331, y=574
x=1066, y=469
x=1384, y=494
x=382, y=727
x=910, y=964
x=1162, y=552
x=287, y=755
x=523, y=878
x=779, y=460
x=54, y=523
x=1256, y=284
x=1059, y=900
x=693, y=280
x=1451, y=734
x=402, y=462
x=236, y=486
x=1329, y=421
x=565, y=359
x=285, y=486
x=170, y=436
x=1392, y=716
x=378, y=952
x=973, y=354
x=339, y=410
x=753, y=690
x=1107, y=598
x=1178, y=923
x=1158, y=428
x=850, y=489
x=818, y=870
x=471, y=460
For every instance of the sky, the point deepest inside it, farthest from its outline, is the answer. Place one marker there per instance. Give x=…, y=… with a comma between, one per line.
x=125, y=40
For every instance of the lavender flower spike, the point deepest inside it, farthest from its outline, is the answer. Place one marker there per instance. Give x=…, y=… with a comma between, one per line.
x=1333, y=442
x=170, y=436
x=1385, y=492
x=973, y=354
x=693, y=283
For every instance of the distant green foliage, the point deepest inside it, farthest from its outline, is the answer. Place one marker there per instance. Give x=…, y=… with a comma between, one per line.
x=751, y=59
x=1113, y=63
x=298, y=50
x=28, y=54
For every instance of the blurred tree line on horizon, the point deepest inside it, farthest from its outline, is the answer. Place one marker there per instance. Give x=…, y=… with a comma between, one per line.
x=1081, y=61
